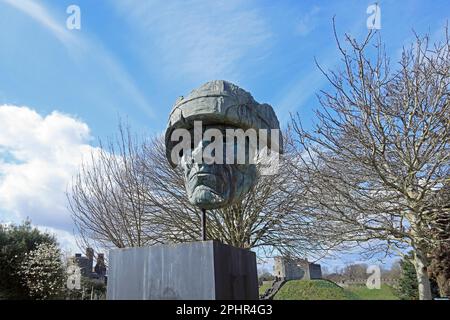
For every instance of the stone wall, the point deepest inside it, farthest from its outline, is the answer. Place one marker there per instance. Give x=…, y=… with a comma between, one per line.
x=296, y=269
x=315, y=271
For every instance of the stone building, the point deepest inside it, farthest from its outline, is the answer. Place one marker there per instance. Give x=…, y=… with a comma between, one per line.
x=100, y=267
x=296, y=269
x=86, y=264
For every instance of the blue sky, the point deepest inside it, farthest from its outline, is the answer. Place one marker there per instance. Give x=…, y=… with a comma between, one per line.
x=62, y=88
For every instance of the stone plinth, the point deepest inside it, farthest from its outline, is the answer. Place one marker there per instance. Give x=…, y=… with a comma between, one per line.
x=206, y=270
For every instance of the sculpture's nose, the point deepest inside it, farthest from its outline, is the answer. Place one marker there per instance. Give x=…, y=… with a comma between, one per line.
x=200, y=156
x=203, y=173
x=197, y=151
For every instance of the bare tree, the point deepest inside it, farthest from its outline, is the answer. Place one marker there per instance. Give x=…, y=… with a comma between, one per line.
x=106, y=197
x=439, y=268
x=380, y=149
x=127, y=194
x=355, y=271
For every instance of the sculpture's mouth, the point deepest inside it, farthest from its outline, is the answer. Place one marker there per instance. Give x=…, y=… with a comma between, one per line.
x=208, y=186
x=202, y=175
x=207, y=197
x=197, y=174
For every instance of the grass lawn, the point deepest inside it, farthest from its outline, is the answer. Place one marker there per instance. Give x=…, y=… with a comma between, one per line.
x=312, y=290
x=264, y=287
x=386, y=292
x=327, y=290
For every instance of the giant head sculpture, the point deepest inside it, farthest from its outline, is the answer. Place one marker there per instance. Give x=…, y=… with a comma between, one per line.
x=208, y=113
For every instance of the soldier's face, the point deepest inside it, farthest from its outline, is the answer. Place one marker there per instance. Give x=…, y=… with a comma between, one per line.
x=215, y=185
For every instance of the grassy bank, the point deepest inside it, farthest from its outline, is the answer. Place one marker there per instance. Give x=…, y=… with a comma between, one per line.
x=327, y=290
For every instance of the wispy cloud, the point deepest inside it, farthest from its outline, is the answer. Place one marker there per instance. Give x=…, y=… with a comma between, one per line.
x=198, y=39
x=307, y=22
x=80, y=46
x=299, y=92
x=307, y=86
x=40, y=14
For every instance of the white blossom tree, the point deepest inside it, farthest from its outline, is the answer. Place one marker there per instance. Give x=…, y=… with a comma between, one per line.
x=43, y=271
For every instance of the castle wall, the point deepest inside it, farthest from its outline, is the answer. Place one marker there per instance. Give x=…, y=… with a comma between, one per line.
x=296, y=269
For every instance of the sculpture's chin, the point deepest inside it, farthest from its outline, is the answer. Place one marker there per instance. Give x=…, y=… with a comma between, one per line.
x=205, y=198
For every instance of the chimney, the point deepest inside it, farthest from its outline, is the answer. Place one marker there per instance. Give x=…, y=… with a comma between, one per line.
x=90, y=256
x=100, y=267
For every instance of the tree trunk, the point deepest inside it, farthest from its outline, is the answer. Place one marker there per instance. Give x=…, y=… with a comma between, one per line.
x=443, y=284
x=420, y=264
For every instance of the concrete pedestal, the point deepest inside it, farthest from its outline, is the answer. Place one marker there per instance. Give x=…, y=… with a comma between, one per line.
x=206, y=270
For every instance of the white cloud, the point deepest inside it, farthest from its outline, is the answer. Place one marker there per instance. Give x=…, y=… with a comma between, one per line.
x=38, y=157
x=202, y=40
x=65, y=239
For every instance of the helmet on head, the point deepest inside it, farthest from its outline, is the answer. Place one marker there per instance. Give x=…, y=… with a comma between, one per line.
x=222, y=103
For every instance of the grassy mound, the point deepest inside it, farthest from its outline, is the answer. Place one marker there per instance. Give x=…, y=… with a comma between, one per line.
x=327, y=290
x=313, y=290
